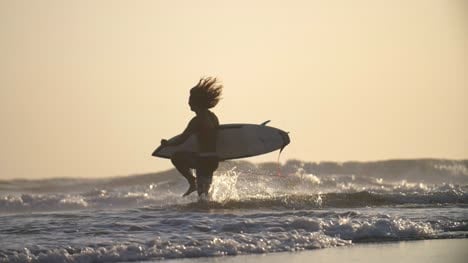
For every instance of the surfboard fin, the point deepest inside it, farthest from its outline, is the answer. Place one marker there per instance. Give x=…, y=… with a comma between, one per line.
x=265, y=123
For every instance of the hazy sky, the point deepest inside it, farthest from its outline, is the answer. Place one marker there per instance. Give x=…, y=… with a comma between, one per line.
x=88, y=88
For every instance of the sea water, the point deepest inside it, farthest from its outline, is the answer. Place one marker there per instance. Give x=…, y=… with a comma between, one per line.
x=251, y=209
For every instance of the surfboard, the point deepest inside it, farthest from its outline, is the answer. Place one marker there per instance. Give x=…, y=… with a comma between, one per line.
x=234, y=141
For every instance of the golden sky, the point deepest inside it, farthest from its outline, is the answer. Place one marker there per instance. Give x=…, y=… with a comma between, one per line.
x=88, y=88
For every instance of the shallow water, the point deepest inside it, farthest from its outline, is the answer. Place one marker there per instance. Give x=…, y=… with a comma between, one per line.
x=251, y=210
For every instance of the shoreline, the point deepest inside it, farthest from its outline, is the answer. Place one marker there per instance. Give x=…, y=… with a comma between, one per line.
x=424, y=251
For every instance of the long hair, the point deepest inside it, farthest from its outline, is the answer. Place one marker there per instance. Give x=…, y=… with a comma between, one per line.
x=207, y=93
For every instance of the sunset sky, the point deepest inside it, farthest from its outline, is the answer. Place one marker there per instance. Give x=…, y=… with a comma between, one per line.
x=88, y=88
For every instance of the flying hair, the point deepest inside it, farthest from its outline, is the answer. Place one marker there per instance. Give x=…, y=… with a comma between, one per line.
x=207, y=93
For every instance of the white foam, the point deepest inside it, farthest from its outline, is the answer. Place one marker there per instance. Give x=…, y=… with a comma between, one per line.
x=159, y=249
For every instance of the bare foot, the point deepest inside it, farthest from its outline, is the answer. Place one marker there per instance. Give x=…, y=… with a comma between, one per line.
x=192, y=188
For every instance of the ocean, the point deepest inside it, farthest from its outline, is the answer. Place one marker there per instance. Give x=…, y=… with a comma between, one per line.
x=252, y=209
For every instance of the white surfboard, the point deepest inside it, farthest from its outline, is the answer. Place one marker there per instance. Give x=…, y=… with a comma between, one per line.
x=234, y=141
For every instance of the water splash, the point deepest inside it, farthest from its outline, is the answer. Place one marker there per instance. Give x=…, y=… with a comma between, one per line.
x=224, y=186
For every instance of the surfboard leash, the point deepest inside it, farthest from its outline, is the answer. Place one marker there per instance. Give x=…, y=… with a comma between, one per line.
x=278, y=162
x=286, y=141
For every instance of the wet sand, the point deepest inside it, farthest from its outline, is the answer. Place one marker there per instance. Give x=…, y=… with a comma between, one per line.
x=424, y=251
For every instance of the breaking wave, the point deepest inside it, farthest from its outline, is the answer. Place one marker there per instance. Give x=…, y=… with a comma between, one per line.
x=246, y=185
x=157, y=234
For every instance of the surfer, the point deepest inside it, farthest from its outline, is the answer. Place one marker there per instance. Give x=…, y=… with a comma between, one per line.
x=204, y=96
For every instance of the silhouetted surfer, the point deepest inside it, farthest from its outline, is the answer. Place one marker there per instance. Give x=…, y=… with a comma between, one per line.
x=204, y=96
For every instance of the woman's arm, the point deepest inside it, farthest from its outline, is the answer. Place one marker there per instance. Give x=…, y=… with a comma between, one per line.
x=191, y=128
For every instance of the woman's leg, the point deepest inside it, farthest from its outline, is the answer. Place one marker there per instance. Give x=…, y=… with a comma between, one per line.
x=183, y=162
x=204, y=180
x=205, y=170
